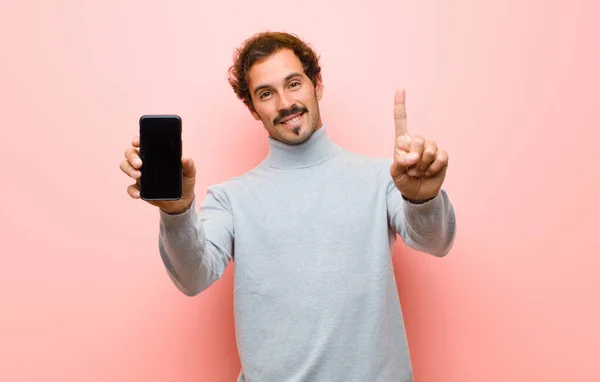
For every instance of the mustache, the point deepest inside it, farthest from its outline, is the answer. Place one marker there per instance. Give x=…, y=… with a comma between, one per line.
x=291, y=111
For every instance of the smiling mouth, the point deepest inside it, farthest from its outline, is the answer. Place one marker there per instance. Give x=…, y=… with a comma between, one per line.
x=292, y=120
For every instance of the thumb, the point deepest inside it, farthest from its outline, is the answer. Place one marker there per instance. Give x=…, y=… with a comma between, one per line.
x=189, y=168
x=396, y=170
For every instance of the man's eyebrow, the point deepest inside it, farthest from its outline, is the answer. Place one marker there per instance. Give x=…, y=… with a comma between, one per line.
x=289, y=77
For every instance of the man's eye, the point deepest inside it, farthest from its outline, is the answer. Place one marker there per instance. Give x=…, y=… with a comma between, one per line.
x=293, y=84
x=263, y=95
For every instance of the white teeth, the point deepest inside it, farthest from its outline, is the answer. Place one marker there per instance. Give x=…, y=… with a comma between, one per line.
x=294, y=119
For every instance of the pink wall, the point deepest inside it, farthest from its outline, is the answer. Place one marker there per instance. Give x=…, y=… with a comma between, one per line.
x=509, y=88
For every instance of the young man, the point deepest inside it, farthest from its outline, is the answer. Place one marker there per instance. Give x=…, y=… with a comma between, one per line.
x=311, y=229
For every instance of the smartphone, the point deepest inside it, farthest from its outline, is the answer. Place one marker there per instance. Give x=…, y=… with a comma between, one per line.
x=160, y=152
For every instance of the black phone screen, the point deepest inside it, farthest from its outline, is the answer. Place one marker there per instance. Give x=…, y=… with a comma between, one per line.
x=160, y=152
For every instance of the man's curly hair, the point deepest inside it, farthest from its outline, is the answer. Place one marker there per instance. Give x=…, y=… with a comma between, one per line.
x=261, y=46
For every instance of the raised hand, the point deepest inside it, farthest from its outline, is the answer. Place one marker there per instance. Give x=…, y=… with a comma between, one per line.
x=131, y=166
x=419, y=166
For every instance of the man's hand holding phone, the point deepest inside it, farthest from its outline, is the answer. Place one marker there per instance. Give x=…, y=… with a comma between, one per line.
x=132, y=165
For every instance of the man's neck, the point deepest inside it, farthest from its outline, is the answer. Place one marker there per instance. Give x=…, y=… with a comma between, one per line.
x=316, y=149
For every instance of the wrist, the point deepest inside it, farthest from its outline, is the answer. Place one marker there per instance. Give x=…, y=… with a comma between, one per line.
x=418, y=201
x=174, y=212
x=178, y=209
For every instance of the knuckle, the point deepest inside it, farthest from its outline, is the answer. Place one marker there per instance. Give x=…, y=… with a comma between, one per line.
x=401, y=141
x=443, y=155
x=400, y=114
x=418, y=140
x=133, y=189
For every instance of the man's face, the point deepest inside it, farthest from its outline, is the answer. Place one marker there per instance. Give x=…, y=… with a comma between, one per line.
x=284, y=98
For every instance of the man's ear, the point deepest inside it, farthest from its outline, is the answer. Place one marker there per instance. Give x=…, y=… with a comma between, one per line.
x=319, y=87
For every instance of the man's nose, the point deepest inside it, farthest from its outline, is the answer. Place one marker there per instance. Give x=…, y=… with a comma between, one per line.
x=285, y=102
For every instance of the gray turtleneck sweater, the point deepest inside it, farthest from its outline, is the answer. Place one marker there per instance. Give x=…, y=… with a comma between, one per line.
x=311, y=231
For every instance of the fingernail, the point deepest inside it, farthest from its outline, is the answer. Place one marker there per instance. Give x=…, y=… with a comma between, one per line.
x=412, y=157
x=137, y=162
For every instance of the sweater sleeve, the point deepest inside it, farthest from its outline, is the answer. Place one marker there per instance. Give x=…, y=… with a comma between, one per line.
x=429, y=227
x=196, y=246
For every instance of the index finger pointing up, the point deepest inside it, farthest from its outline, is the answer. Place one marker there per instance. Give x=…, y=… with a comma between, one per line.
x=400, y=113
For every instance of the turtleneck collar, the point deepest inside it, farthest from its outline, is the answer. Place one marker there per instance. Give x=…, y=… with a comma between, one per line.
x=316, y=149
